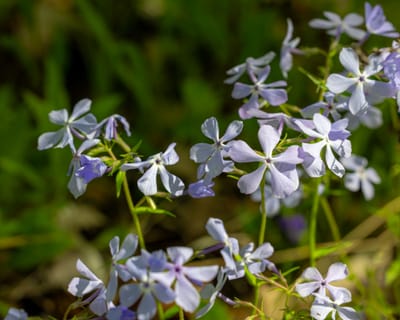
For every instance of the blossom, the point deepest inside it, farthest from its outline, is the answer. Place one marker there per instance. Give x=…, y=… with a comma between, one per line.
x=256, y=260
x=201, y=189
x=75, y=124
x=110, y=125
x=156, y=165
x=187, y=296
x=323, y=306
x=80, y=287
x=83, y=169
x=146, y=289
x=362, y=177
x=376, y=23
x=359, y=84
x=212, y=155
x=16, y=314
x=336, y=271
x=271, y=93
x=121, y=313
x=253, y=65
x=288, y=49
x=335, y=26
x=282, y=167
x=215, y=228
x=331, y=136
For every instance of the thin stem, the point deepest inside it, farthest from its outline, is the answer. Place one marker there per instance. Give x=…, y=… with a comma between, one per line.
x=181, y=314
x=313, y=225
x=160, y=309
x=331, y=219
x=134, y=215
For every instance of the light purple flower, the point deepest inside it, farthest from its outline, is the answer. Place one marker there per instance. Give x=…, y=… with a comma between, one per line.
x=16, y=314
x=293, y=227
x=74, y=125
x=256, y=260
x=336, y=271
x=359, y=83
x=146, y=291
x=252, y=65
x=282, y=167
x=187, y=296
x=79, y=179
x=80, y=287
x=156, y=165
x=288, y=49
x=212, y=155
x=271, y=93
x=332, y=136
x=376, y=22
x=335, y=26
x=323, y=306
x=362, y=177
x=201, y=189
x=110, y=125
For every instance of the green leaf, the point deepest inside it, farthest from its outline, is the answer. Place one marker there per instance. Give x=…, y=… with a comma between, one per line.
x=148, y=210
x=119, y=179
x=393, y=273
x=325, y=251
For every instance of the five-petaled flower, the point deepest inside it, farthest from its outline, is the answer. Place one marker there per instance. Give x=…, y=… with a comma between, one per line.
x=156, y=165
x=284, y=176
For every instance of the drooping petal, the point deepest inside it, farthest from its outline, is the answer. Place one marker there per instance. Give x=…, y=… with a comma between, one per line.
x=148, y=182
x=171, y=183
x=332, y=163
x=170, y=156
x=187, y=296
x=210, y=129
x=250, y=182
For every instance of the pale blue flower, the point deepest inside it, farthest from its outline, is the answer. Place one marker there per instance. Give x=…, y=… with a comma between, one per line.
x=146, y=290
x=289, y=47
x=90, y=168
x=376, y=22
x=332, y=137
x=362, y=177
x=330, y=107
x=359, y=83
x=155, y=164
x=211, y=156
x=74, y=125
x=272, y=93
x=323, y=306
x=256, y=259
x=16, y=314
x=251, y=65
x=321, y=285
x=335, y=26
x=110, y=125
x=282, y=167
x=79, y=287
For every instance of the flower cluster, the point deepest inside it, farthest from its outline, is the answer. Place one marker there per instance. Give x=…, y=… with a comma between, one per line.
x=296, y=145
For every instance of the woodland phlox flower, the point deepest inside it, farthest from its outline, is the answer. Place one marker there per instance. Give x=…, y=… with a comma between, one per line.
x=282, y=166
x=154, y=165
x=376, y=23
x=363, y=90
x=335, y=26
x=362, y=177
x=77, y=124
x=332, y=137
x=288, y=49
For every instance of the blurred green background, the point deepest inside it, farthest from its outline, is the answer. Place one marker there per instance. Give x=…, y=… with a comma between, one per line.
x=161, y=64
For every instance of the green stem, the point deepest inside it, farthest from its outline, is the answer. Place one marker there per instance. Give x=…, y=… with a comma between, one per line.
x=134, y=215
x=181, y=314
x=331, y=219
x=160, y=311
x=313, y=225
